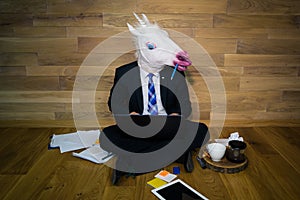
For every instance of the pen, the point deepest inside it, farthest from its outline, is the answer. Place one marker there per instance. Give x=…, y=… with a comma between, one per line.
x=110, y=154
x=172, y=76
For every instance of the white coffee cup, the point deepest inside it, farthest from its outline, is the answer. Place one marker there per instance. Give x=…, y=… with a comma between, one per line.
x=216, y=151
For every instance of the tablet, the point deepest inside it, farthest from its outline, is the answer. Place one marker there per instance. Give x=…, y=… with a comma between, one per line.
x=177, y=190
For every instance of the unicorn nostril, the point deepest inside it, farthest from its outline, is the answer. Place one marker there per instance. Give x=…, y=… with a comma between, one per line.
x=182, y=55
x=181, y=58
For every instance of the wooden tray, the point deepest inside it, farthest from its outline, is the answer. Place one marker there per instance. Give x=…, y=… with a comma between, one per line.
x=225, y=166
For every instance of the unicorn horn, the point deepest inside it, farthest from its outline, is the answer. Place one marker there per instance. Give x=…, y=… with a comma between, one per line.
x=142, y=23
x=146, y=20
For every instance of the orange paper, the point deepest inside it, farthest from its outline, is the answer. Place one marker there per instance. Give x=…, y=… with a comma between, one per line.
x=164, y=173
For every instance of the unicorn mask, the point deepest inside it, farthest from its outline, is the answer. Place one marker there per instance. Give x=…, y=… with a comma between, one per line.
x=155, y=49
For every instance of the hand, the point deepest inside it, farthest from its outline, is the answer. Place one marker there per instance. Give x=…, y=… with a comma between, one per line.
x=134, y=113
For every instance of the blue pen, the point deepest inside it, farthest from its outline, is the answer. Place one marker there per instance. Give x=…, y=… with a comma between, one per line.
x=172, y=76
x=108, y=155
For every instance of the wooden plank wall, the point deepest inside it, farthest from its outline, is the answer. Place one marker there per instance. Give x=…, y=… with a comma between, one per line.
x=254, y=43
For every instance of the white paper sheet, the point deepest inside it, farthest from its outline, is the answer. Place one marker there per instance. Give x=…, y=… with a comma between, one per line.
x=165, y=176
x=89, y=138
x=94, y=154
x=74, y=141
x=66, y=142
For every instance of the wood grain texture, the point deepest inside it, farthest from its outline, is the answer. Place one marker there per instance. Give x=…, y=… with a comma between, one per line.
x=164, y=20
x=231, y=33
x=29, y=83
x=41, y=45
x=30, y=31
x=90, y=7
x=255, y=21
x=18, y=59
x=251, y=83
x=261, y=60
x=37, y=96
x=284, y=34
x=12, y=71
x=290, y=95
x=42, y=174
x=254, y=45
x=264, y=7
x=15, y=19
x=76, y=20
x=271, y=46
x=62, y=58
x=223, y=46
x=271, y=71
x=28, y=6
x=189, y=6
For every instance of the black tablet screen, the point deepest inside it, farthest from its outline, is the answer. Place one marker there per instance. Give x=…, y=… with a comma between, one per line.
x=178, y=191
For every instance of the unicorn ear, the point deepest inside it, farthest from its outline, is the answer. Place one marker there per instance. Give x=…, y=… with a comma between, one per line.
x=132, y=29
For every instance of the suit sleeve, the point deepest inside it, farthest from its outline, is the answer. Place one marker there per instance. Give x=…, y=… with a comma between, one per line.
x=117, y=101
x=125, y=85
x=183, y=97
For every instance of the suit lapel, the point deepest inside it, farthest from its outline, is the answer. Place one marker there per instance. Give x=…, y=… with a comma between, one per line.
x=138, y=94
x=164, y=85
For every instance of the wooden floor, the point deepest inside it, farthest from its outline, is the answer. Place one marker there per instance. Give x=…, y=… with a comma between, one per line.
x=30, y=171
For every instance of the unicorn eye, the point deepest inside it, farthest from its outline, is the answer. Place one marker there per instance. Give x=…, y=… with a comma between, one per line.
x=151, y=45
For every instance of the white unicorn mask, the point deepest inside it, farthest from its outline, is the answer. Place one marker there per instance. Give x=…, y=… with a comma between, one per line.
x=155, y=49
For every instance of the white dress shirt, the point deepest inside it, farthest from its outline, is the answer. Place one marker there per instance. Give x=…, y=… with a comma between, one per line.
x=144, y=82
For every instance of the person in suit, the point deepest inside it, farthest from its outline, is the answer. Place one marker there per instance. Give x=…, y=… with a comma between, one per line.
x=149, y=87
x=126, y=97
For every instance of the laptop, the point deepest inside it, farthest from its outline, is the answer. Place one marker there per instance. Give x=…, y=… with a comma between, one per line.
x=152, y=126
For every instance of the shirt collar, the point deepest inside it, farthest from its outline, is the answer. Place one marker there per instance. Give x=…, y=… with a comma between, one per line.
x=145, y=74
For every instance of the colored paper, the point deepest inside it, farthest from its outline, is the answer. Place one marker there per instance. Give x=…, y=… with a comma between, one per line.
x=156, y=182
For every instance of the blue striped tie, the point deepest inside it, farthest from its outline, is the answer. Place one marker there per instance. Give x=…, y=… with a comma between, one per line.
x=152, y=106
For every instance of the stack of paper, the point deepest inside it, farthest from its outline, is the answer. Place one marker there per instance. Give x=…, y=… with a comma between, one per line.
x=79, y=140
x=156, y=182
x=165, y=176
x=162, y=178
x=94, y=154
x=74, y=141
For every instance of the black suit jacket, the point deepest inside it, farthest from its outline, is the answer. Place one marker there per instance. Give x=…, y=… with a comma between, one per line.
x=126, y=94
